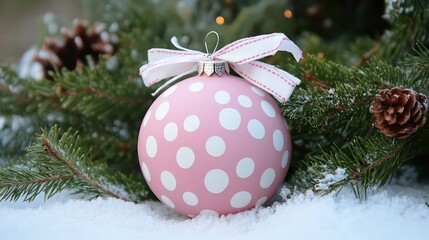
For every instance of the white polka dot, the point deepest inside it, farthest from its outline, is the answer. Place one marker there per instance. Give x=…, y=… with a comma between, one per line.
x=245, y=168
x=162, y=110
x=229, y=118
x=146, y=118
x=268, y=109
x=285, y=159
x=171, y=131
x=241, y=199
x=185, y=157
x=167, y=201
x=151, y=146
x=215, y=146
x=256, y=129
x=196, y=87
x=258, y=91
x=216, y=181
x=190, y=198
x=261, y=201
x=245, y=101
x=278, y=140
x=191, y=123
x=222, y=97
x=267, y=178
x=209, y=212
x=169, y=91
x=168, y=180
x=146, y=172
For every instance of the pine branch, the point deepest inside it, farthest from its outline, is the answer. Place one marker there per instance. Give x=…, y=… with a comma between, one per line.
x=55, y=152
x=331, y=73
x=16, y=183
x=13, y=99
x=418, y=63
x=101, y=105
x=365, y=163
x=409, y=24
x=381, y=74
x=56, y=162
x=332, y=95
x=92, y=93
x=6, y=90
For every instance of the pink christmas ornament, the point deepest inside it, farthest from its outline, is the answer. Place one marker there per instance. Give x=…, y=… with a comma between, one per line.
x=214, y=143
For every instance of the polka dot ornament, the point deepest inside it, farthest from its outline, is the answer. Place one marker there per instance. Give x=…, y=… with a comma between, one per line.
x=214, y=145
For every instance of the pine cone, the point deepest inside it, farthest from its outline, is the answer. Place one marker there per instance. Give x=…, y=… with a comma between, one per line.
x=399, y=112
x=81, y=46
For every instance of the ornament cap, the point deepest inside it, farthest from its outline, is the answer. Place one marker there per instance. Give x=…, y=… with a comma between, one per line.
x=213, y=66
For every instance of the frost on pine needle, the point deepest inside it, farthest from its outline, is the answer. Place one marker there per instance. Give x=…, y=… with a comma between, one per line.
x=331, y=179
x=397, y=7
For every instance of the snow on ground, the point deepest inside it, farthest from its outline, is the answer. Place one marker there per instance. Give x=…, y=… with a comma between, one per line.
x=394, y=212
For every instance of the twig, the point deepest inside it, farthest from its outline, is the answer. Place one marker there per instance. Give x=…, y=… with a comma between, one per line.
x=36, y=180
x=315, y=81
x=366, y=56
x=55, y=153
x=24, y=99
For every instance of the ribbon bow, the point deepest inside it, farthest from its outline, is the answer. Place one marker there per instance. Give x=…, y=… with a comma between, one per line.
x=241, y=56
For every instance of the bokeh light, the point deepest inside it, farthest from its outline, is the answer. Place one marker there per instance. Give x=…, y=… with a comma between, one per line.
x=288, y=13
x=220, y=20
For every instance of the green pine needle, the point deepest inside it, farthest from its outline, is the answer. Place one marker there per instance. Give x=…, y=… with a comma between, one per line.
x=56, y=161
x=21, y=182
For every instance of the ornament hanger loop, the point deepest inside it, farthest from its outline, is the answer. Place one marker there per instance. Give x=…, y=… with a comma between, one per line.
x=217, y=42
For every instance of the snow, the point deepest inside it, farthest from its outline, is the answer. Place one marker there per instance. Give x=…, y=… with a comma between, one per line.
x=394, y=212
x=50, y=22
x=28, y=67
x=395, y=7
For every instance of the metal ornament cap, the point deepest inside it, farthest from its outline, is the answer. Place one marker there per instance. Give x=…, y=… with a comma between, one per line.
x=213, y=66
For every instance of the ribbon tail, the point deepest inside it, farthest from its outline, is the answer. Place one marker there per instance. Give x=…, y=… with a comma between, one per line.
x=249, y=49
x=289, y=46
x=157, y=54
x=167, y=83
x=278, y=83
x=175, y=42
x=169, y=67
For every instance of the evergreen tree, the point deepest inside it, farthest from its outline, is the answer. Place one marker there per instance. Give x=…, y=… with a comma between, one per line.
x=89, y=114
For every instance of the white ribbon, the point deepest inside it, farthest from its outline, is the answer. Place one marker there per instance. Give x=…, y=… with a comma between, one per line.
x=241, y=56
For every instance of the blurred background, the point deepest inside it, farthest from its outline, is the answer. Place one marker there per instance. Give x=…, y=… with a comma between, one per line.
x=21, y=20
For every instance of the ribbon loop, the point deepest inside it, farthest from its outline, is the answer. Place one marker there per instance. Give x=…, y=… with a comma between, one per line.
x=241, y=56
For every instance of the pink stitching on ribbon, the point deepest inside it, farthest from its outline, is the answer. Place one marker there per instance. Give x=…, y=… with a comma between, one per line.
x=173, y=53
x=257, y=55
x=231, y=45
x=181, y=58
x=224, y=51
x=263, y=86
x=288, y=81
